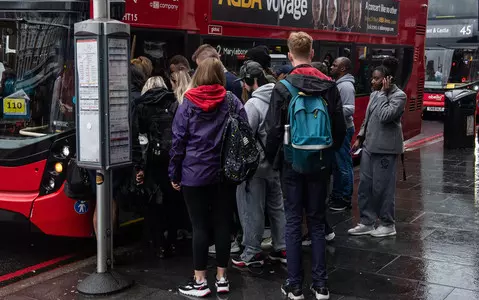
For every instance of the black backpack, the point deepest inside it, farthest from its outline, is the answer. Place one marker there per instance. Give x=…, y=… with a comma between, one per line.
x=240, y=153
x=78, y=184
x=160, y=134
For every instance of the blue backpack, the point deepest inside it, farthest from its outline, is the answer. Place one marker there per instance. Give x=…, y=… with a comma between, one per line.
x=309, y=148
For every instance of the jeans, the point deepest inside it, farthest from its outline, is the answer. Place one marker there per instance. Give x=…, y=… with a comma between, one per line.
x=253, y=196
x=377, y=186
x=343, y=180
x=308, y=192
x=210, y=205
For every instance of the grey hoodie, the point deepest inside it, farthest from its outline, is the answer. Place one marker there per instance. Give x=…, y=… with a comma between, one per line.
x=347, y=91
x=256, y=109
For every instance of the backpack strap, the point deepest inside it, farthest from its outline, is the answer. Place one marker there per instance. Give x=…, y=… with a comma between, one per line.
x=231, y=103
x=292, y=90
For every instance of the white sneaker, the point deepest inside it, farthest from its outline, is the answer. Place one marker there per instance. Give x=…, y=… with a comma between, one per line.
x=222, y=286
x=383, y=231
x=267, y=243
x=235, y=248
x=361, y=229
x=330, y=237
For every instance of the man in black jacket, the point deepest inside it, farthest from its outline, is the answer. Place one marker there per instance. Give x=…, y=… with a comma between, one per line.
x=303, y=191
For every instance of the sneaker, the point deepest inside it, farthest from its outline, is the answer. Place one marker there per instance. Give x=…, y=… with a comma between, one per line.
x=306, y=241
x=330, y=237
x=239, y=262
x=235, y=248
x=321, y=293
x=267, y=243
x=383, y=231
x=194, y=288
x=222, y=286
x=279, y=256
x=293, y=292
x=361, y=229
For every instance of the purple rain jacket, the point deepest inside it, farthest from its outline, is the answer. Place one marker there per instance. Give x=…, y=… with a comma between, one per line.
x=198, y=129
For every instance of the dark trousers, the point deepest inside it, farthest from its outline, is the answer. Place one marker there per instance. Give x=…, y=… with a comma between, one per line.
x=163, y=217
x=162, y=210
x=208, y=206
x=306, y=192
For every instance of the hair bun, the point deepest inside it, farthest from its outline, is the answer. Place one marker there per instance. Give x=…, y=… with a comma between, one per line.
x=391, y=63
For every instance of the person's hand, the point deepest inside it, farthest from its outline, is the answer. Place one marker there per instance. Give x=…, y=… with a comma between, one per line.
x=356, y=145
x=176, y=186
x=140, y=177
x=386, y=84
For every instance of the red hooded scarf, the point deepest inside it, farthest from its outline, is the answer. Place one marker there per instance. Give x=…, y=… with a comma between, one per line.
x=207, y=97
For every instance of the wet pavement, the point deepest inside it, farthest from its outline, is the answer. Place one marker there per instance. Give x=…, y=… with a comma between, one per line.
x=24, y=254
x=434, y=256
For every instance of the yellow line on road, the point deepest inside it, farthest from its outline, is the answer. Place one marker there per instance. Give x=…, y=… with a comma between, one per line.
x=131, y=222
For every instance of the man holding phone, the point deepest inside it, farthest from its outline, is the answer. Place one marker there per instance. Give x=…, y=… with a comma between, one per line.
x=343, y=180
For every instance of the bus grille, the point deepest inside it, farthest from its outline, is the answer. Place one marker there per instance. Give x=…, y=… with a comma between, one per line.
x=412, y=104
x=420, y=29
x=420, y=93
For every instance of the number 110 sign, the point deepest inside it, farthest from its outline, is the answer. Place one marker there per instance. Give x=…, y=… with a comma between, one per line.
x=15, y=108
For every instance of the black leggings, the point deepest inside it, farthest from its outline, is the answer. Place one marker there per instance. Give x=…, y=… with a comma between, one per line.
x=210, y=206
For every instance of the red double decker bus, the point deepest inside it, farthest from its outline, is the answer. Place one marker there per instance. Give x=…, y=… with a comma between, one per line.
x=37, y=130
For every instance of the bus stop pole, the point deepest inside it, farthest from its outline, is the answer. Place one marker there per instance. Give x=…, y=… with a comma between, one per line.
x=101, y=9
x=104, y=213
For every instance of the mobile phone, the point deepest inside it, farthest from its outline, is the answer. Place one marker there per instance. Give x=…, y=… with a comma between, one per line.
x=358, y=151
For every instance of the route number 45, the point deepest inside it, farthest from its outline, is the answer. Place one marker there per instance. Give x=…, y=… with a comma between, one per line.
x=466, y=30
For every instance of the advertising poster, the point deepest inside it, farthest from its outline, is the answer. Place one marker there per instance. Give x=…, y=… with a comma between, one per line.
x=363, y=16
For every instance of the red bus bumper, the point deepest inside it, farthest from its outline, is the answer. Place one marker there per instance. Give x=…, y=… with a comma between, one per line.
x=52, y=214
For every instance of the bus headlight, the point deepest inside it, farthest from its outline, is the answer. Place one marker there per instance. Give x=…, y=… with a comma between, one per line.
x=51, y=184
x=476, y=87
x=66, y=151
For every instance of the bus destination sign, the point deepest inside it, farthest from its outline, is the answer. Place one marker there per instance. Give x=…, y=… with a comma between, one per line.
x=370, y=16
x=446, y=29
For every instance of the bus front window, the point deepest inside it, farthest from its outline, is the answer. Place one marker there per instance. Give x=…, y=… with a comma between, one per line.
x=438, y=67
x=464, y=67
x=37, y=79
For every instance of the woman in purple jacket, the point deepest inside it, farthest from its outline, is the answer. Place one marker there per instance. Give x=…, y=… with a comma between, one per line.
x=195, y=168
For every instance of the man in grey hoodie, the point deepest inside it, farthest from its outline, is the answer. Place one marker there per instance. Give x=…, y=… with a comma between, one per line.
x=343, y=180
x=263, y=191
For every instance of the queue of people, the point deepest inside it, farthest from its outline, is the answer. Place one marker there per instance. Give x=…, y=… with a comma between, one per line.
x=302, y=122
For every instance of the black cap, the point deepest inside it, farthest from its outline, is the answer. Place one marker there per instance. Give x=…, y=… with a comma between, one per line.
x=259, y=54
x=250, y=69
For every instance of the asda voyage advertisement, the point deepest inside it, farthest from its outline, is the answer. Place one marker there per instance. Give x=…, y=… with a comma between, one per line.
x=365, y=16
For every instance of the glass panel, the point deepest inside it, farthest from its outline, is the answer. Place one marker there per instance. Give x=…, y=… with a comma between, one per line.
x=362, y=71
x=457, y=8
x=464, y=68
x=438, y=67
x=37, y=67
x=159, y=48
